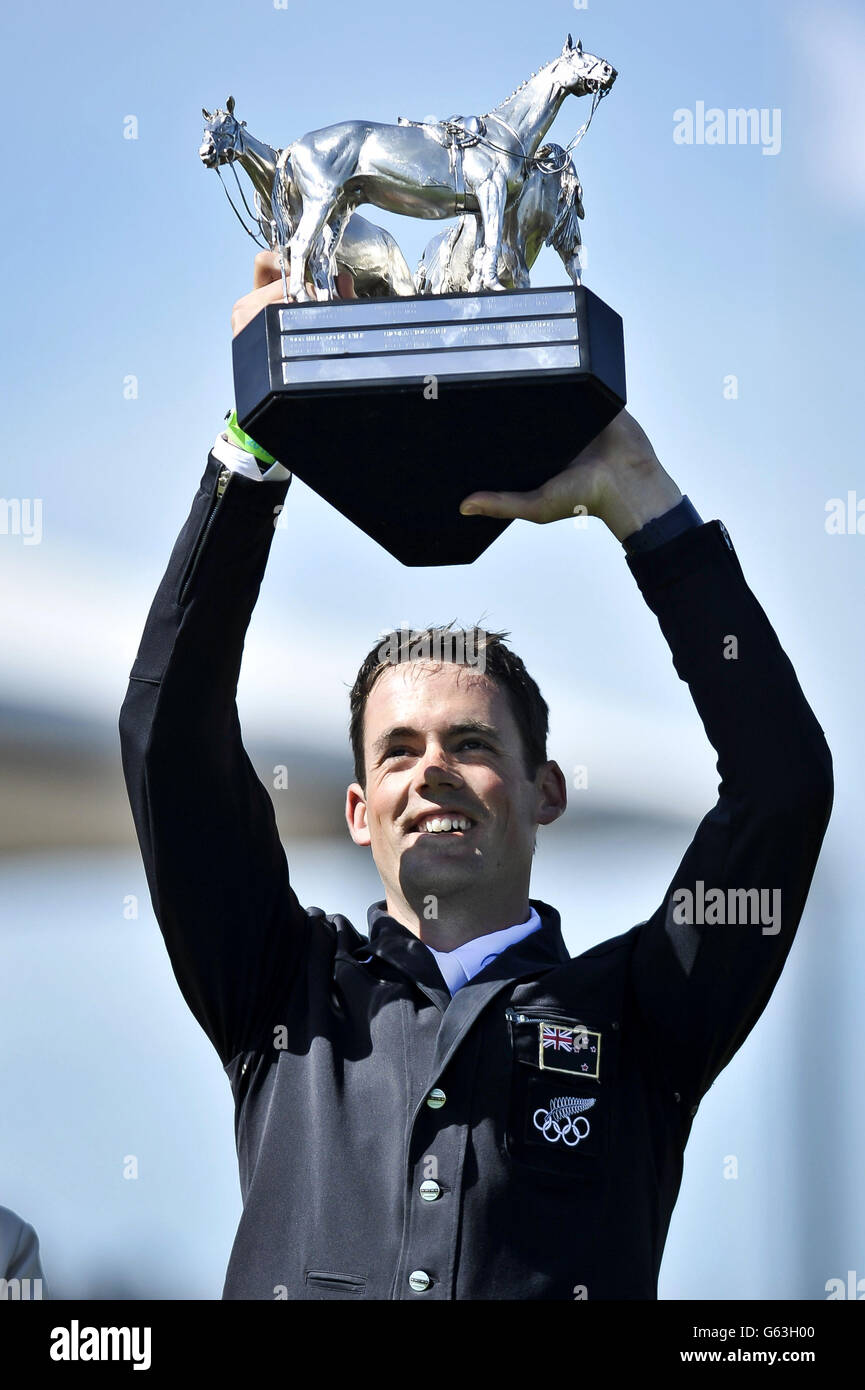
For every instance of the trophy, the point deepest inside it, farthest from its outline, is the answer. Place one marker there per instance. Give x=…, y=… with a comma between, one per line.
x=396, y=405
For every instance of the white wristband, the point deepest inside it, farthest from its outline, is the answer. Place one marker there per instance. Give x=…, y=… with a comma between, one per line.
x=239, y=461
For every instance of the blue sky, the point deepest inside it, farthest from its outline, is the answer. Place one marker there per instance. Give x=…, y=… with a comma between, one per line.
x=123, y=257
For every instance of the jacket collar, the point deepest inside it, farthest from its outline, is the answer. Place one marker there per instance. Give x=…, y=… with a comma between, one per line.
x=540, y=950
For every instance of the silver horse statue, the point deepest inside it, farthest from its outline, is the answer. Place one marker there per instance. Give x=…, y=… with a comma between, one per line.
x=371, y=254
x=430, y=170
x=548, y=214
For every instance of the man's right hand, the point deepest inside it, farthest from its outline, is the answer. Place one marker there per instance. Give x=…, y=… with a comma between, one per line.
x=267, y=289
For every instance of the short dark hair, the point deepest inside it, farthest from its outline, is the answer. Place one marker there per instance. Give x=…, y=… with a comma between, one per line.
x=492, y=658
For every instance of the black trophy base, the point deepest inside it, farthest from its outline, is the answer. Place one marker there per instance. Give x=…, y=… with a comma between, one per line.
x=397, y=454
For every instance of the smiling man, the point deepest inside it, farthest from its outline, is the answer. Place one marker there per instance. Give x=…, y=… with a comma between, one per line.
x=446, y=797
x=452, y=1107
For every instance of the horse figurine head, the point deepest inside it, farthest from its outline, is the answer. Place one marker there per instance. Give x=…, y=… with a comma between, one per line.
x=223, y=137
x=581, y=73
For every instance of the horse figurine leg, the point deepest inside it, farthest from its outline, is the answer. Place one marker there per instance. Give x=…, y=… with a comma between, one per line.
x=306, y=249
x=456, y=255
x=464, y=254
x=574, y=267
x=330, y=240
x=319, y=264
x=492, y=197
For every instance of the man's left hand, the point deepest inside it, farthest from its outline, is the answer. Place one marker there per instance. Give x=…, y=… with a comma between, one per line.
x=617, y=478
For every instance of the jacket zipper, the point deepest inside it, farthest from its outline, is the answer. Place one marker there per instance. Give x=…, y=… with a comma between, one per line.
x=553, y=1014
x=221, y=484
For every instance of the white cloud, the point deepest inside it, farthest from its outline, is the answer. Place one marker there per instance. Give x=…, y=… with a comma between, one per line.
x=828, y=43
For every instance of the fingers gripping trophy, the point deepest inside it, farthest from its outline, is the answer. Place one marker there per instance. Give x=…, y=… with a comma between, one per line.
x=461, y=371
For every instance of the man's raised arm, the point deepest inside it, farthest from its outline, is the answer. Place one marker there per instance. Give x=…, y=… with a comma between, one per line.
x=216, y=869
x=705, y=963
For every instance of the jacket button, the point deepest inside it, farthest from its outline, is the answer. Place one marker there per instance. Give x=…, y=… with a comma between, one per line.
x=436, y=1098
x=430, y=1190
x=419, y=1280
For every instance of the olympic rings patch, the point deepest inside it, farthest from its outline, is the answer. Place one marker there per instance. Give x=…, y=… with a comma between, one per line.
x=564, y=1120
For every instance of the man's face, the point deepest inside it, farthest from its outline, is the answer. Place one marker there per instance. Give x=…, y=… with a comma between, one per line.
x=438, y=739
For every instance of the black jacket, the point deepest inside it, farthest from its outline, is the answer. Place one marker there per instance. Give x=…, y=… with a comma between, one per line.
x=551, y=1166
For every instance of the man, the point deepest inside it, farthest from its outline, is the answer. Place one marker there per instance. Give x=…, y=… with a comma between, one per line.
x=454, y=1108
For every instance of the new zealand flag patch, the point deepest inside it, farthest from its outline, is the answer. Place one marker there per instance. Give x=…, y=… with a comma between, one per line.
x=575, y=1050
